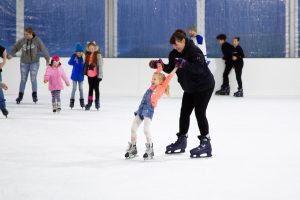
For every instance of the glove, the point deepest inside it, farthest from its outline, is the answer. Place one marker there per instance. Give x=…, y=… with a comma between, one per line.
x=179, y=62
x=153, y=63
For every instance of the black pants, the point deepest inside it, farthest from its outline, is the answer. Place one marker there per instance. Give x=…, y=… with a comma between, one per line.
x=94, y=85
x=238, y=67
x=199, y=101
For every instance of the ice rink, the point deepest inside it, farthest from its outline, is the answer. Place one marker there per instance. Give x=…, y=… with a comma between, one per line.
x=79, y=155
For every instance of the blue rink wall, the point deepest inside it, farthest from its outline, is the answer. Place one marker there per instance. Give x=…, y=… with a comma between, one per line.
x=144, y=27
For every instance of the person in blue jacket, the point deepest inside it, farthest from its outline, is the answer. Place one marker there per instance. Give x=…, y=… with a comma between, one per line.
x=77, y=61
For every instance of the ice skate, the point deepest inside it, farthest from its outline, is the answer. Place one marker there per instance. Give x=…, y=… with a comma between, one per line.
x=239, y=93
x=34, y=97
x=223, y=91
x=149, y=153
x=131, y=151
x=81, y=101
x=203, y=150
x=4, y=112
x=97, y=104
x=179, y=146
x=72, y=101
x=19, y=98
x=89, y=105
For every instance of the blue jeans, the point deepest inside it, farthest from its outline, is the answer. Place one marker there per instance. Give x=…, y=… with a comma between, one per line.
x=80, y=86
x=2, y=100
x=25, y=69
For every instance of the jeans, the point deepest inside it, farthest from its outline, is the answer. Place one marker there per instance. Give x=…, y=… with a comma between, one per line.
x=25, y=69
x=2, y=100
x=80, y=86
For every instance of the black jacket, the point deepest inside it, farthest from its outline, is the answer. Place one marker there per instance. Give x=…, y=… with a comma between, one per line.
x=227, y=52
x=194, y=76
x=239, y=53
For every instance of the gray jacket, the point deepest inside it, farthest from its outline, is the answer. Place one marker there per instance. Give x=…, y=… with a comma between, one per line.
x=30, y=50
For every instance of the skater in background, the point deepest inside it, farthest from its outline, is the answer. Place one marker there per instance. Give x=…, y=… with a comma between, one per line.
x=238, y=63
x=54, y=75
x=30, y=46
x=159, y=86
x=227, y=56
x=198, y=40
x=2, y=85
x=77, y=61
x=198, y=84
x=94, y=70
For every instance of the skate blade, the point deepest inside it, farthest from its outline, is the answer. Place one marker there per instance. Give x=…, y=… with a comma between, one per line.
x=204, y=155
x=131, y=157
x=178, y=151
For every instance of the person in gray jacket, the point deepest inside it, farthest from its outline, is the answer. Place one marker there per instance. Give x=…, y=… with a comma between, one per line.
x=30, y=47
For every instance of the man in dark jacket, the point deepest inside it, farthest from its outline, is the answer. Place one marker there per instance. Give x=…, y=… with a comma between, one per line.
x=227, y=56
x=198, y=84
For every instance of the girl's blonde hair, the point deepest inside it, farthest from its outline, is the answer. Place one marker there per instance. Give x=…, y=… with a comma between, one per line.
x=162, y=78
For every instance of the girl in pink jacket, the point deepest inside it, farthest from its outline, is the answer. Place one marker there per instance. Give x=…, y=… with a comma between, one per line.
x=54, y=75
x=159, y=86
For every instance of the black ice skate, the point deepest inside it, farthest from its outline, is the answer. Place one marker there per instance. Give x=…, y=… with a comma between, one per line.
x=223, y=91
x=131, y=151
x=89, y=105
x=19, y=98
x=97, y=104
x=179, y=146
x=81, y=103
x=203, y=150
x=149, y=153
x=4, y=112
x=34, y=97
x=54, y=107
x=72, y=101
x=239, y=93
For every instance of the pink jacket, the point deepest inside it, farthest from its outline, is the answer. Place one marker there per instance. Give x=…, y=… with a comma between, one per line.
x=160, y=89
x=55, y=75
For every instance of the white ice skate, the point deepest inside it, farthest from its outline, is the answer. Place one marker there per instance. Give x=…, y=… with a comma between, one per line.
x=131, y=151
x=149, y=153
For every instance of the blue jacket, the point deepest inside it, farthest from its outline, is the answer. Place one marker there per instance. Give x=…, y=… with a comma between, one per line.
x=78, y=67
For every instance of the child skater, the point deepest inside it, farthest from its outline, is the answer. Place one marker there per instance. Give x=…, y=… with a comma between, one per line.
x=77, y=61
x=54, y=75
x=94, y=70
x=159, y=85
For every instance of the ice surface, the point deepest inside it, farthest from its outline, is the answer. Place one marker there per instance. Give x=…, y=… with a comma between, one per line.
x=79, y=155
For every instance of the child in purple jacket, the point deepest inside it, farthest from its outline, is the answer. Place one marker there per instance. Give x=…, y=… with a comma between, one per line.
x=54, y=75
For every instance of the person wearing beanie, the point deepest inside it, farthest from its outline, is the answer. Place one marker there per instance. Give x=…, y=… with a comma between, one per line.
x=77, y=62
x=93, y=68
x=31, y=46
x=54, y=75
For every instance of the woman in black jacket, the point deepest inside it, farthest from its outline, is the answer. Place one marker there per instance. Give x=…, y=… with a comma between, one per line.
x=198, y=84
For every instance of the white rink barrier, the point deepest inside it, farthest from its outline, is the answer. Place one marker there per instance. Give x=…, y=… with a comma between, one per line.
x=132, y=76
